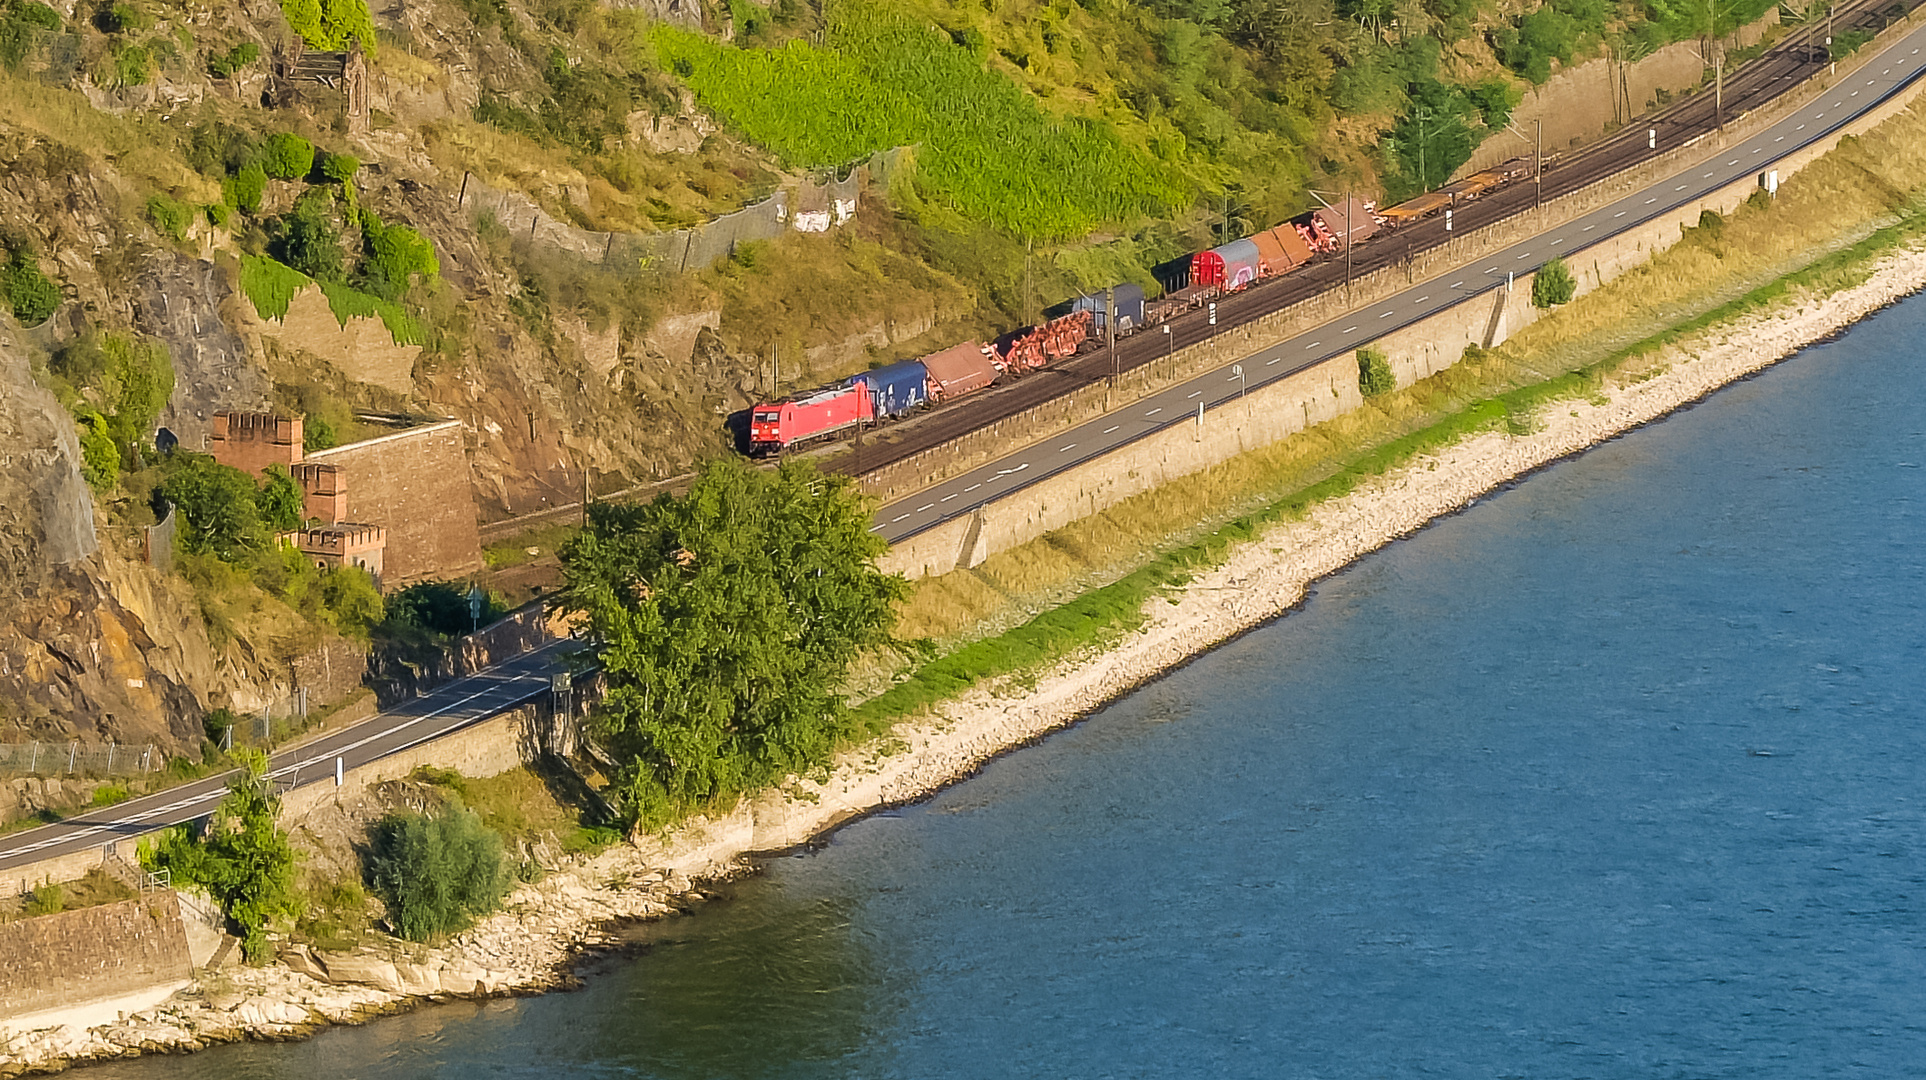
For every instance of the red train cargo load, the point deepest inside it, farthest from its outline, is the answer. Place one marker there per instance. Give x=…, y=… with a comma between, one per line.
x=1232, y=266
x=1358, y=219
x=958, y=370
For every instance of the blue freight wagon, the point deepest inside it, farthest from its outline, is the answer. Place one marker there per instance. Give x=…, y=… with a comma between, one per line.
x=1130, y=308
x=896, y=389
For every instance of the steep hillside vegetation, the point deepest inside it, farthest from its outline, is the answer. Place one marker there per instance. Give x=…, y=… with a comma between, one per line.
x=184, y=229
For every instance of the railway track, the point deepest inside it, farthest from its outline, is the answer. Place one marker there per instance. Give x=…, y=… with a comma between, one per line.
x=1787, y=64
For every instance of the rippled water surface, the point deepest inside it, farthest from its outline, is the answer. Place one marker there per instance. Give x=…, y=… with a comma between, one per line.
x=1617, y=774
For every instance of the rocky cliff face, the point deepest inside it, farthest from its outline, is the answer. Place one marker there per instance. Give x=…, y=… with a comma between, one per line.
x=73, y=659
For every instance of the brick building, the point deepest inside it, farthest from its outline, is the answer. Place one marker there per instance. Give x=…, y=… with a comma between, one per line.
x=400, y=505
x=331, y=546
x=251, y=441
x=416, y=485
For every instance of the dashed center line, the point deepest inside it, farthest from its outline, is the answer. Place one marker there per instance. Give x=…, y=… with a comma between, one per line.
x=1455, y=285
x=1274, y=360
x=925, y=506
x=973, y=487
x=1347, y=329
x=897, y=518
x=1620, y=214
x=948, y=497
x=1314, y=344
x=1421, y=299
x=1651, y=200
x=1198, y=394
x=1384, y=314
x=1108, y=430
x=1066, y=449
x=1155, y=411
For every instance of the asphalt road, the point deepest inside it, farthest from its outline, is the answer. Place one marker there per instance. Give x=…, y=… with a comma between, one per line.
x=449, y=708
x=1899, y=65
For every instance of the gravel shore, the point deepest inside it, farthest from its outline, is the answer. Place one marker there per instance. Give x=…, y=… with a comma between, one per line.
x=533, y=944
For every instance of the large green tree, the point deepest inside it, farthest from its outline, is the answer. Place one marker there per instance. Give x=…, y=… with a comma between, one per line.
x=242, y=856
x=725, y=621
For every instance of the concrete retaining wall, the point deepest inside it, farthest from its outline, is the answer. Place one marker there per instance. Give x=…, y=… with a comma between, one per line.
x=54, y=961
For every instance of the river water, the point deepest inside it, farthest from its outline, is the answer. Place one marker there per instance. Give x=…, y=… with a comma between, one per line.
x=1615, y=774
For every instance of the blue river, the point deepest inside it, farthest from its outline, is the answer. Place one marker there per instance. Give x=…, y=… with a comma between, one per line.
x=1618, y=773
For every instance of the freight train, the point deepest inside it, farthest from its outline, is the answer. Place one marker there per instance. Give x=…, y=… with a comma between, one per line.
x=886, y=393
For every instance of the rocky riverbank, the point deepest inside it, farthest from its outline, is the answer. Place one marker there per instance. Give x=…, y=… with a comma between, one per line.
x=534, y=943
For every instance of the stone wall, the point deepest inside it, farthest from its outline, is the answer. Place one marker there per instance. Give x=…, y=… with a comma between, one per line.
x=415, y=484
x=54, y=961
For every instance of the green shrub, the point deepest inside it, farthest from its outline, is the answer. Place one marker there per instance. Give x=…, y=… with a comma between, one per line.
x=287, y=156
x=1374, y=373
x=439, y=607
x=244, y=189
x=307, y=240
x=241, y=857
x=122, y=19
x=340, y=168
x=110, y=794
x=436, y=872
x=217, y=214
x=280, y=501
x=317, y=434
x=1553, y=284
x=216, y=723
x=226, y=64
x=31, y=295
x=395, y=254
x=136, y=377
x=170, y=215
x=48, y=899
x=130, y=65
x=20, y=20
x=331, y=24
x=99, y=457
x=270, y=286
x=214, y=504
x=352, y=599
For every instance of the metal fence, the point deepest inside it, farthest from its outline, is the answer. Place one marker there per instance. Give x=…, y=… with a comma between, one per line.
x=81, y=759
x=160, y=542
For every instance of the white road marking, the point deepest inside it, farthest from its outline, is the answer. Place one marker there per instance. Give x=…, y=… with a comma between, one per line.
x=925, y=506
x=1108, y=430
x=1314, y=344
x=1385, y=314
x=1681, y=187
x=973, y=487
x=1651, y=200
x=1801, y=127
x=1588, y=228
x=1198, y=394
x=1620, y=214
x=1278, y=360
x=1066, y=449
x=1454, y=285
x=1421, y=299
x=1155, y=411
x=1491, y=269
x=1522, y=255
x=1781, y=138
x=897, y=518
x=950, y=496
